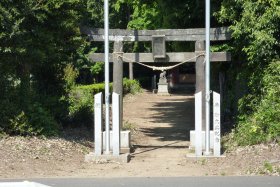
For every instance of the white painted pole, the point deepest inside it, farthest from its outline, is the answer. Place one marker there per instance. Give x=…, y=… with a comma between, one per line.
x=116, y=124
x=198, y=124
x=107, y=92
x=207, y=78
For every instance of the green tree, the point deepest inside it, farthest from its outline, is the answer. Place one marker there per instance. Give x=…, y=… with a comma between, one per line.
x=37, y=40
x=176, y=14
x=255, y=29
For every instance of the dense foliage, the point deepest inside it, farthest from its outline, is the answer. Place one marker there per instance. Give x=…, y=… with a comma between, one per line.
x=263, y=123
x=255, y=29
x=37, y=40
x=40, y=46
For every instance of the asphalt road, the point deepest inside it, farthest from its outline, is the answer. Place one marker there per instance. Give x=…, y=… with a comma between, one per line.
x=155, y=182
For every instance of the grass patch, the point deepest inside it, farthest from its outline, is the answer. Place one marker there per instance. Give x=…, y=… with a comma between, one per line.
x=129, y=126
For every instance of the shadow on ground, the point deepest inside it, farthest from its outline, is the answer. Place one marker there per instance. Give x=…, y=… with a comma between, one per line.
x=148, y=148
x=176, y=111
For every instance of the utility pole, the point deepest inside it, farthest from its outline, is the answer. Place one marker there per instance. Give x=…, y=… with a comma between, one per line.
x=207, y=78
x=107, y=91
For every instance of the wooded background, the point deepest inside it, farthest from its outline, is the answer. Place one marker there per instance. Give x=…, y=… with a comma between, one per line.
x=44, y=60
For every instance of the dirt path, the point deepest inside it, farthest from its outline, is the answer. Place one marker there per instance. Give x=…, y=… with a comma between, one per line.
x=160, y=140
x=163, y=123
x=162, y=120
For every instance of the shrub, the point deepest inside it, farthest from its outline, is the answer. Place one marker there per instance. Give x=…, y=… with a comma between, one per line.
x=70, y=75
x=8, y=109
x=80, y=105
x=35, y=121
x=94, y=88
x=131, y=86
x=81, y=99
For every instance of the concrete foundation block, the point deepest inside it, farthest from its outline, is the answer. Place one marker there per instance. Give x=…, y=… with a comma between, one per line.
x=122, y=158
x=125, y=138
x=192, y=139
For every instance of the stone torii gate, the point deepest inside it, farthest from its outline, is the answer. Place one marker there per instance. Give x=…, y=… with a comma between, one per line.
x=119, y=36
x=158, y=39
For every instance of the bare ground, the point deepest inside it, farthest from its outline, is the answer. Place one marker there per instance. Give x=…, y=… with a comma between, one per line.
x=160, y=137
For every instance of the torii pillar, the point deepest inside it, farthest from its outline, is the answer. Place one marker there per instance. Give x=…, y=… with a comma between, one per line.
x=200, y=76
x=118, y=75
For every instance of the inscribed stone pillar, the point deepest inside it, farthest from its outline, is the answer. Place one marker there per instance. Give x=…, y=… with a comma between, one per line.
x=200, y=76
x=217, y=124
x=118, y=75
x=98, y=127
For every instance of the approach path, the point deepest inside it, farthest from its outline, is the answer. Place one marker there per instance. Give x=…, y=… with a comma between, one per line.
x=162, y=128
x=161, y=119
